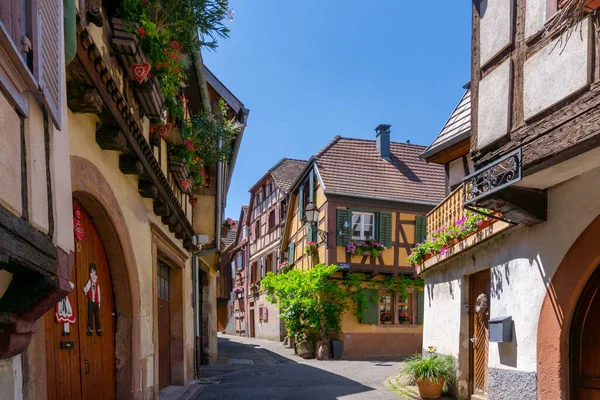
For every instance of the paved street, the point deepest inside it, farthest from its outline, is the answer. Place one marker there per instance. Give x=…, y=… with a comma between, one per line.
x=259, y=369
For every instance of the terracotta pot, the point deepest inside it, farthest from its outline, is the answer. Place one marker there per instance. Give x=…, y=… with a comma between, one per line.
x=592, y=5
x=430, y=389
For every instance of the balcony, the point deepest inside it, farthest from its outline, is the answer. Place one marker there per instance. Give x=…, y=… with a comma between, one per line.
x=447, y=215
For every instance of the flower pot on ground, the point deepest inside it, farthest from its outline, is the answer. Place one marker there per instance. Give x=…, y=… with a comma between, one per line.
x=430, y=371
x=337, y=349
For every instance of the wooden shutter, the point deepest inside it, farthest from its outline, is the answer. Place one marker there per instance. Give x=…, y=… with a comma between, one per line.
x=343, y=233
x=291, y=252
x=420, y=228
x=420, y=306
x=47, y=55
x=301, y=202
x=371, y=312
x=385, y=229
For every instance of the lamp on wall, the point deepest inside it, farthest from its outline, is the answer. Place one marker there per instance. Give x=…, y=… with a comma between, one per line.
x=311, y=216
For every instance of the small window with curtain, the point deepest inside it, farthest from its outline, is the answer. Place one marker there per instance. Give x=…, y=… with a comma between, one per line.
x=386, y=315
x=363, y=226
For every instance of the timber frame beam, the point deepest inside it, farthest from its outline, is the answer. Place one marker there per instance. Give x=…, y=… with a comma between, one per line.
x=140, y=159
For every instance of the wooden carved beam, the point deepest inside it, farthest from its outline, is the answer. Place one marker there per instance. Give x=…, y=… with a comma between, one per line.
x=130, y=165
x=161, y=208
x=94, y=13
x=109, y=138
x=90, y=58
x=83, y=99
x=147, y=190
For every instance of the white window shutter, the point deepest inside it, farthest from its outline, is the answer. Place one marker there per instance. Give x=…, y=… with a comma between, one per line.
x=47, y=55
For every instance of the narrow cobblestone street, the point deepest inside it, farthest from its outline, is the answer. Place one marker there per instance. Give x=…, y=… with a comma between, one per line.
x=260, y=369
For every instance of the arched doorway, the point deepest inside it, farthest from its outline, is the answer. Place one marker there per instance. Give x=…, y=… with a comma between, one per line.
x=585, y=343
x=80, y=331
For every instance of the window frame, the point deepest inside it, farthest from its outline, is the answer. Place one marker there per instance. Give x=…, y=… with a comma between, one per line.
x=394, y=304
x=362, y=230
x=271, y=220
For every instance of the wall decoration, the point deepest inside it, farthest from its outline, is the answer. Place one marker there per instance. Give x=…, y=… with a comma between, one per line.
x=185, y=184
x=164, y=130
x=193, y=201
x=140, y=71
x=64, y=313
x=77, y=227
x=92, y=290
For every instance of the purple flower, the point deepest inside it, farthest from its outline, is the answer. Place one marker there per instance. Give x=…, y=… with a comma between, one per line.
x=433, y=239
x=462, y=228
x=479, y=222
x=444, y=251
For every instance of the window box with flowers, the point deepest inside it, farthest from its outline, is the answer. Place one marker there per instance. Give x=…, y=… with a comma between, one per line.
x=254, y=287
x=367, y=247
x=311, y=248
x=239, y=291
x=228, y=224
x=440, y=240
x=285, y=266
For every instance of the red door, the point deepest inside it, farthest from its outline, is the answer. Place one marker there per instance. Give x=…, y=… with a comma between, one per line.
x=585, y=343
x=80, y=331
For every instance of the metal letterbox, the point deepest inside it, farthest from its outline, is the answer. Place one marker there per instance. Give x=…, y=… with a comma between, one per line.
x=500, y=329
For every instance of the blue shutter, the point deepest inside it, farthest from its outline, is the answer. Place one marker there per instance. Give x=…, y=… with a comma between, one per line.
x=311, y=187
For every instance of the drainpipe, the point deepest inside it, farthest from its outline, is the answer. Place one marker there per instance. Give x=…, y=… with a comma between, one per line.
x=219, y=198
x=196, y=305
x=70, y=30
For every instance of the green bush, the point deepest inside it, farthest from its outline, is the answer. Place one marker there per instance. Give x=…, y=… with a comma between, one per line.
x=430, y=367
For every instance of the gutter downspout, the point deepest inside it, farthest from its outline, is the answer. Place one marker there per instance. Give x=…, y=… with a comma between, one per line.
x=196, y=305
x=219, y=207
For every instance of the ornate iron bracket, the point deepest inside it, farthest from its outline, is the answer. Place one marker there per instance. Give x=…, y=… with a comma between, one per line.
x=492, y=178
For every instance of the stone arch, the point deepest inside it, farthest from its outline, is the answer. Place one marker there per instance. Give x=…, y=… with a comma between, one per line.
x=93, y=191
x=562, y=295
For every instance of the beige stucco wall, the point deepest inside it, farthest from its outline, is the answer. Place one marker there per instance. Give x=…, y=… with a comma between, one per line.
x=10, y=162
x=138, y=214
x=522, y=264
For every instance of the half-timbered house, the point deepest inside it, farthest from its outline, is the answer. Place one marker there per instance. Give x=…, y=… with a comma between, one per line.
x=519, y=293
x=266, y=217
x=367, y=190
x=90, y=175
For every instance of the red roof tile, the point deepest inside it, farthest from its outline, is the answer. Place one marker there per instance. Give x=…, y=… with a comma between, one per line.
x=354, y=166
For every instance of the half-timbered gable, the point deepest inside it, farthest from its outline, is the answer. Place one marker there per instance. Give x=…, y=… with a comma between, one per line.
x=367, y=193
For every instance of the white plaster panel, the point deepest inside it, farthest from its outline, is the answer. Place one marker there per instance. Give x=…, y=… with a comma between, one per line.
x=37, y=185
x=457, y=170
x=522, y=262
x=494, y=105
x=495, y=27
x=557, y=71
x=11, y=379
x=535, y=16
x=10, y=162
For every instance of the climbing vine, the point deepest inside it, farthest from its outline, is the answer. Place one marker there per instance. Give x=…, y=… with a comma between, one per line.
x=313, y=303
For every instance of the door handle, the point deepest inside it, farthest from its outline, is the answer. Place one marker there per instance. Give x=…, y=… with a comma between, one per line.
x=473, y=339
x=87, y=366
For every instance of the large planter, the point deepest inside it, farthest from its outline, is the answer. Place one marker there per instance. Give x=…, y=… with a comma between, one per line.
x=305, y=349
x=592, y=5
x=430, y=389
x=337, y=349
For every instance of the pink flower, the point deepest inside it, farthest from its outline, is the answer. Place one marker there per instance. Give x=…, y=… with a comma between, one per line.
x=142, y=32
x=479, y=222
x=443, y=251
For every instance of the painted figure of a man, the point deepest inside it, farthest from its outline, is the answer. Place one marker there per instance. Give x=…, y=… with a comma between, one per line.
x=92, y=290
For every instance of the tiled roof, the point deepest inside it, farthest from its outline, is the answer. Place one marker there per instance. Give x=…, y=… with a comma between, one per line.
x=231, y=235
x=286, y=171
x=354, y=166
x=456, y=129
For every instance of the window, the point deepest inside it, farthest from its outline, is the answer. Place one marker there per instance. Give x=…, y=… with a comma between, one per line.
x=254, y=273
x=239, y=261
x=257, y=229
x=271, y=220
x=394, y=309
x=268, y=189
x=282, y=209
x=385, y=309
x=363, y=226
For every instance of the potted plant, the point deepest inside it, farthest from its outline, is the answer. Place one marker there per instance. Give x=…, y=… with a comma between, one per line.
x=285, y=267
x=430, y=371
x=337, y=347
x=311, y=248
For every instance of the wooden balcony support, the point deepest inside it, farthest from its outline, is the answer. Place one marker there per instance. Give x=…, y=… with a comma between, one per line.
x=109, y=138
x=147, y=189
x=130, y=165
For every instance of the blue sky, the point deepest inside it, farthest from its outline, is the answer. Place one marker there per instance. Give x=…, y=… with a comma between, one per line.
x=309, y=70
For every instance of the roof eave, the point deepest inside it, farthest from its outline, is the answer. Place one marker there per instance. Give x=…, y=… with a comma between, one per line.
x=432, y=151
x=386, y=198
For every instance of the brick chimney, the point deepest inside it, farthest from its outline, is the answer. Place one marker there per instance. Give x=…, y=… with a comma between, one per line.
x=383, y=140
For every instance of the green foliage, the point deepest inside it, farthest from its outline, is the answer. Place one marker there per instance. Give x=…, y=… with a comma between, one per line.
x=168, y=31
x=357, y=282
x=430, y=367
x=441, y=239
x=311, y=304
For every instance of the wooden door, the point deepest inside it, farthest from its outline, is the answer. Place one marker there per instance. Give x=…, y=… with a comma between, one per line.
x=585, y=343
x=479, y=313
x=81, y=362
x=164, y=326
x=251, y=324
